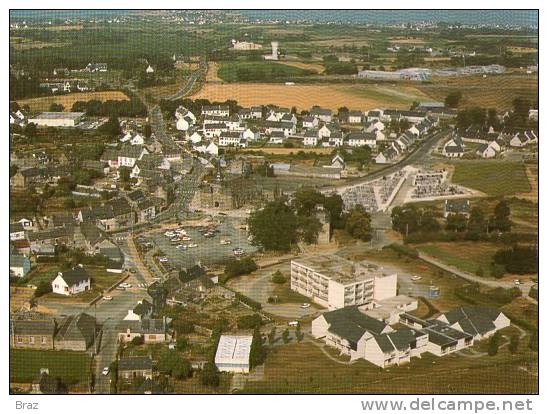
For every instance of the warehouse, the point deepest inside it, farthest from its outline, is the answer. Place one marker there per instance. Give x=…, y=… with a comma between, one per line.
x=233, y=353
x=57, y=119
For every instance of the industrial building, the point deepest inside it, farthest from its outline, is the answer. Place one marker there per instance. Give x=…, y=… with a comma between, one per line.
x=233, y=353
x=57, y=119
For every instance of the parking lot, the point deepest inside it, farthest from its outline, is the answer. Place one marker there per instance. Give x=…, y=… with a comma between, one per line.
x=208, y=250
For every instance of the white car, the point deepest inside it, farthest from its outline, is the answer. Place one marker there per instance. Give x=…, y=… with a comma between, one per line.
x=163, y=259
x=415, y=278
x=125, y=285
x=293, y=323
x=107, y=297
x=516, y=282
x=225, y=242
x=192, y=245
x=106, y=370
x=305, y=305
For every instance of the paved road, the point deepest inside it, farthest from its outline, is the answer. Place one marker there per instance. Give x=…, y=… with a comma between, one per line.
x=187, y=87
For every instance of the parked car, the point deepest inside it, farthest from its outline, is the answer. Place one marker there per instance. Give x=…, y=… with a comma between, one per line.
x=305, y=305
x=106, y=370
x=107, y=297
x=293, y=323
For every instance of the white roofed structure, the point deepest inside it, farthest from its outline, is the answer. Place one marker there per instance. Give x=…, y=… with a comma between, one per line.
x=233, y=353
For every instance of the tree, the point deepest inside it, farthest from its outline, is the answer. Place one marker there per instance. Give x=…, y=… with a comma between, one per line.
x=493, y=345
x=358, y=223
x=124, y=173
x=514, y=344
x=274, y=227
x=518, y=259
x=249, y=321
x=243, y=266
x=257, y=353
x=111, y=127
x=278, y=278
x=272, y=335
x=285, y=336
x=42, y=288
x=147, y=131
x=453, y=99
x=309, y=228
x=533, y=341
x=476, y=222
x=501, y=219
x=209, y=375
x=305, y=201
x=334, y=205
x=56, y=107
x=456, y=222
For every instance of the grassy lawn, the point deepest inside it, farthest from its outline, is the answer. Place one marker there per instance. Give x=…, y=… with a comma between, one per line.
x=256, y=71
x=465, y=256
x=302, y=368
x=494, y=178
x=71, y=367
x=286, y=295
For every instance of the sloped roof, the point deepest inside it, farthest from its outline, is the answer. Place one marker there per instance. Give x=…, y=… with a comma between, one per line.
x=134, y=363
x=75, y=276
x=32, y=327
x=81, y=327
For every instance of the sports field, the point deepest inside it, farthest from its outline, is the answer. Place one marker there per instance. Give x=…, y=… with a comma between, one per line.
x=43, y=103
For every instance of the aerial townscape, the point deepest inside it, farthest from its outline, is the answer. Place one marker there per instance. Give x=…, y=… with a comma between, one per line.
x=273, y=202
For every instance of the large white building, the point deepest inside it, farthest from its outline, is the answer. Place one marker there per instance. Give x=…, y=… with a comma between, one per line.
x=71, y=282
x=57, y=119
x=233, y=353
x=334, y=282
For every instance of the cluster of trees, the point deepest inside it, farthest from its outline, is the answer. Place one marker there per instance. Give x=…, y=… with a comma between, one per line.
x=477, y=116
x=235, y=267
x=518, y=259
x=280, y=224
x=453, y=99
x=485, y=118
x=173, y=364
x=341, y=68
x=112, y=108
x=249, y=321
x=409, y=219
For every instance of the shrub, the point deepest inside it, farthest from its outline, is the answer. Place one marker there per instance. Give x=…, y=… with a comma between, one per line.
x=249, y=321
x=278, y=277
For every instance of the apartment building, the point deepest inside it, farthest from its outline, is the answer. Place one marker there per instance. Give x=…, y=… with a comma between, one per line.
x=335, y=283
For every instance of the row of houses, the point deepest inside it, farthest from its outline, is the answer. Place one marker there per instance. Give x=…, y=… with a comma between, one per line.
x=354, y=332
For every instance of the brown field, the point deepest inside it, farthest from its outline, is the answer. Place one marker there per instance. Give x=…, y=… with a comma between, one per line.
x=304, y=96
x=407, y=40
x=532, y=175
x=43, y=104
x=318, y=67
x=437, y=59
x=519, y=49
x=287, y=151
x=211, y=75
x=65, y=27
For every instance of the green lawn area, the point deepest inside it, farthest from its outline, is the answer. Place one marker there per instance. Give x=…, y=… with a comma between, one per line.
x=284, y=294
x=259, y=71
x=71, y=367
x=465, y=256
x=302, y=368
x=496, y=178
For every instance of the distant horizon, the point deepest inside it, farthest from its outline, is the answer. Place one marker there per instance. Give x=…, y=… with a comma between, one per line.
x=488, y=17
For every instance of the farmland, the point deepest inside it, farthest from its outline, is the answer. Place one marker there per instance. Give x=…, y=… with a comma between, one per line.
x=494, y=178
x=71, y=367
x=253, y=71
x=43, y=103
x=304, y=96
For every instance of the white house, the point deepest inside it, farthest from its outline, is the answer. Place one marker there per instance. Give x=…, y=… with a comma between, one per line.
x=149, y=69
x=212, y=149
x=310, y=122
x=251, y=134
x=311, y=138
x=486, y=151
x=129, y=155
x=355, y=117
x=195, y=137
x=141, y=311
x=71, y=282
x=183, y=124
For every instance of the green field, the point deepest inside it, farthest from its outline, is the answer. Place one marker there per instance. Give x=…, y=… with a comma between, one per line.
x=259, y=71
x=496, y=178
x=71, y=367
x=302, y=368
x=465, y=256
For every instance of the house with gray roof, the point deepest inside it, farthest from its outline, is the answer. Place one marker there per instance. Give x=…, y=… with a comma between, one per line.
x=33, y=333
x=76, y=332
x=135, y=366
x=71, y=282
x=478, y=321
x=151, y=330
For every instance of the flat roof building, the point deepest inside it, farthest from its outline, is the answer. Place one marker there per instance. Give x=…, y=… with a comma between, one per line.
x=233, y=353
x=57, y=119
x=335, y=282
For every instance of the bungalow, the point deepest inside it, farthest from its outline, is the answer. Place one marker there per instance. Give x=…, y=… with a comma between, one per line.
x=287, y=128
x=195, y=137
x=19, y=265
x=34, y=334
x=130, y=368
x=232, y=139
x=457, y=206
x=184, y=123
x=182, y=112
x=322, y=114
x=336, y=139
x=152, y=331
x=214, y=130
x=454, y=148
x=277, y=137
x=486, y=151
x=71, y=282
x=522, y=139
